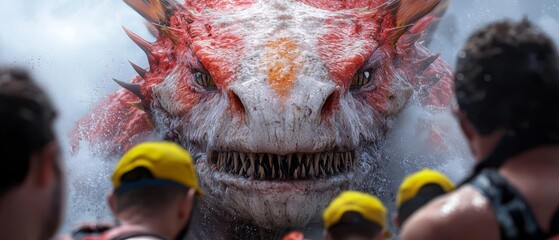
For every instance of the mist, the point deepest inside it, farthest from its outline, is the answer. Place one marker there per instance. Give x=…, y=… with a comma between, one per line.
x=75, y=47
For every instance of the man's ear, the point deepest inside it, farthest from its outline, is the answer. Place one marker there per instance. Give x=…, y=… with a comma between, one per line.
x=44, y=166
x=187, y=204
x=111, y=200
x=465, y=124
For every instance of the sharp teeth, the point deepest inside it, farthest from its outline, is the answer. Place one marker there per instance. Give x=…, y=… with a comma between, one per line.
x=252, y=168
x=220, y=161
x=235, y=162
x=347, y=161
x=316, y=160
x=223, y=162
x=261, y=171
x=328, y=164
x=242, y=158
x=311, y=171
x=353, y=162
x=336, y=165
x=273, y=167
x=280, y=159
x=229, y=162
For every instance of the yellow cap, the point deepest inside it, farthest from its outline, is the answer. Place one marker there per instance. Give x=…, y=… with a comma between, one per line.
x=414, y=182
x=368, y=206
x=164, y=160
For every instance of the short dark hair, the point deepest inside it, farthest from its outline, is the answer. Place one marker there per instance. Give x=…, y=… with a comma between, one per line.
x=507, y=77
x=26, y=124
x=352, y=224
x=149, y=200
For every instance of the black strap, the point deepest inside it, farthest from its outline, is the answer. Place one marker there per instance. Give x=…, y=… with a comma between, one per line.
x=554, y=228
x=129, y=235
x=515, y=218
x=513, y=144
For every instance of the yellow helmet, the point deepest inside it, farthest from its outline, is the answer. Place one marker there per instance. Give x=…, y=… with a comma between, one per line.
x=413, y=183
x=164, y=160
x=368, y=206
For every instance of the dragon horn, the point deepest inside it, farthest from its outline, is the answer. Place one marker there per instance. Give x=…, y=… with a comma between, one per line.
x=407, y=13
x=155, y=11
x=422, y=64
x=142, y=72
x=135, y=89
x=146, y=46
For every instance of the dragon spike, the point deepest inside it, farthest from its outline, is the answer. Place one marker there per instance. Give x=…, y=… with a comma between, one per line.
x=422, y=64
x=407, y=13
x=434, y=80
x=142, y=72
x=135, y=89
x=146, y=46
x=411, y=39
x=155, y=11
x=410, y=11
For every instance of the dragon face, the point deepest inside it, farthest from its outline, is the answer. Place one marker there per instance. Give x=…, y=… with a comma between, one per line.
x=282, y=103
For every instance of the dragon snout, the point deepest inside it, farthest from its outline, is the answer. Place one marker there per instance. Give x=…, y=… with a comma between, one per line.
x=308, y=100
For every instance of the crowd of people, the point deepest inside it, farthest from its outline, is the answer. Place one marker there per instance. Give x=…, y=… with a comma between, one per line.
x=506, y=88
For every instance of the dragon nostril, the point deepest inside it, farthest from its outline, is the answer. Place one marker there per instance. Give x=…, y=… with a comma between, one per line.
x=236, y=103
x=329, y=103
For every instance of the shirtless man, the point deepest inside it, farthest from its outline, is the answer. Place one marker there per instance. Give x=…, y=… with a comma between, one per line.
x=507, y=90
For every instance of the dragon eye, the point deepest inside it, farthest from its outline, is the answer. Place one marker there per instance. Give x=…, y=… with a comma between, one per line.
x=361, y=79
x=204, y=80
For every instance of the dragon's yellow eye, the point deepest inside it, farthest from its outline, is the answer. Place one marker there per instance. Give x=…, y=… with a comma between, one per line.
x=361, y=79
x=205, y=80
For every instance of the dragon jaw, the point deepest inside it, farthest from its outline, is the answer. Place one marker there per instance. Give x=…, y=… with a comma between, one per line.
x=283, y=74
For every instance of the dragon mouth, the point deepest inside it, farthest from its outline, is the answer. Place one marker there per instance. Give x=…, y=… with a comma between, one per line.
x=275, y=167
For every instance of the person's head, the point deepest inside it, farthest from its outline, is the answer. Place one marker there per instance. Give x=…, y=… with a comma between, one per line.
x=417, y=190
x=155, y=181
x=31, y=175
x=355, y=216
x=506, y=82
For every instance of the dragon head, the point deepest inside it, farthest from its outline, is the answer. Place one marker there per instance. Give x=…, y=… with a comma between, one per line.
x=282, y=103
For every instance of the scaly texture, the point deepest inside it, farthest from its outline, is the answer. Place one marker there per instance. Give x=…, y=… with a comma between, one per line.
x=282, y=103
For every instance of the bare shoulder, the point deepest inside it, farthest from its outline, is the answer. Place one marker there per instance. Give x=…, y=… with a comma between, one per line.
x=462, y=214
